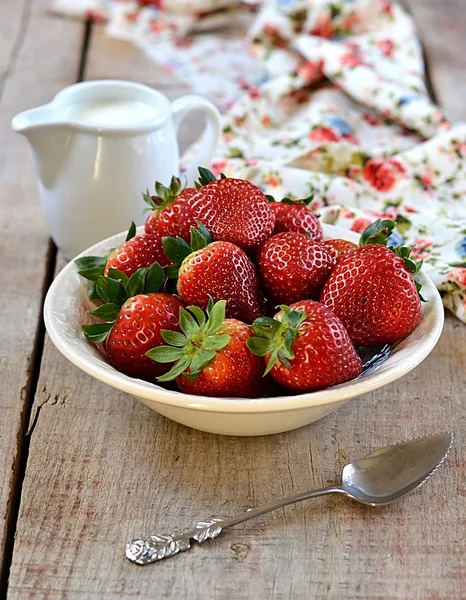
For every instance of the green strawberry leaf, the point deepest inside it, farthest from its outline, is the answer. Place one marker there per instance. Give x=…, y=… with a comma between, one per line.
x=181, y=365
x=154, y=279
x=260, y=346
x=377, y=232
x=216, y=317
x=174, y=338
x=197, y=240
x=150, y=201
x=111, y=290
x=131, y=232
x=188, y=323
x=205, y=176
x=275, y=338
x=217, y=342
x=97, y=333
x=118, y=275
x=136, y=282
x=106, y=312
x=199, y=345
x=91, y=267
x=176, y=249
x=165, y=354
x=199, y=314
x=202, y=360
x=92, y=293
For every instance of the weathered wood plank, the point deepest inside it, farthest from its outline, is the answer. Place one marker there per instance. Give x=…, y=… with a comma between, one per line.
x=33, y=66
x=104, y=468
x=442, y=26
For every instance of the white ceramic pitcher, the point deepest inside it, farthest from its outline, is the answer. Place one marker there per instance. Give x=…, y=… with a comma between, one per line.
x=98, y=145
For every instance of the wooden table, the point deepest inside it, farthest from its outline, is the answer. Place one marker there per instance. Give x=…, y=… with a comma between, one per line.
x=84, y=467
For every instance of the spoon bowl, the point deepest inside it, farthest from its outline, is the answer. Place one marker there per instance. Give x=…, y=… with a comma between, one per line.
x=391, y=472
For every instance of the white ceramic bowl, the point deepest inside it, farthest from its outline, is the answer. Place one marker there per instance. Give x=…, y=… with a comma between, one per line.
x=65, y=310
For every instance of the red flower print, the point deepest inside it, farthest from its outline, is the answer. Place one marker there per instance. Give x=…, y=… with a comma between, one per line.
x=350, y=22
x=426, y=180
x=420, y=247
x=360, y=224
x=323, y=134
x=410, y=209
x=385, y=7
x=351, y=60
x=353, y=46
x=266, y=121
x=310, y=71
x=323, y=27
x=383, y=174
x=386, y=47
x=351, y=138
x=372, y=119
x=155, y=3
x=218, y=167
x=458, y=275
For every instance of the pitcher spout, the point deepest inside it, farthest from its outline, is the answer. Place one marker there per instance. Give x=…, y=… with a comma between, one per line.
x=49, y=139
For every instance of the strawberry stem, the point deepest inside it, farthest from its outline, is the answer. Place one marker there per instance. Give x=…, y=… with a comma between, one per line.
x=275, y=337
x=196, y=347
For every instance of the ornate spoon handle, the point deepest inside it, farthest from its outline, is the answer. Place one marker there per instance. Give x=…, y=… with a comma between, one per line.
x=157, y=547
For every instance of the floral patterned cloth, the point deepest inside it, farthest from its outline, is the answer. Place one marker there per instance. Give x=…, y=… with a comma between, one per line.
x=323, y=96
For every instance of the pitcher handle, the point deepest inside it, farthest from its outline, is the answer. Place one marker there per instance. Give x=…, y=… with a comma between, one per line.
x=211, y=136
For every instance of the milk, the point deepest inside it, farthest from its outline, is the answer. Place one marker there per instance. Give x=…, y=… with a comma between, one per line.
x=113, y=112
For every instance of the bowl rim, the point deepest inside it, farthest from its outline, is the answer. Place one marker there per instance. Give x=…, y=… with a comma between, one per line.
x=153, y=393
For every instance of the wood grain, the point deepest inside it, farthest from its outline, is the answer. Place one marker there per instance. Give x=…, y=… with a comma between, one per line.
x=32, y=69
x=442, y=26
x=103, y=468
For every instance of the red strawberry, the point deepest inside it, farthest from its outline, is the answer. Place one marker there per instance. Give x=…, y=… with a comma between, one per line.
x=139, y=251
x=134, y=315
x=294, y=215
x=233, y=210
x=167, y=209
x=137, y=330
x=212, y=356
x=216, y=270
x=373, y=290
x=306, y=347
x=339, y=248
x=293, y=267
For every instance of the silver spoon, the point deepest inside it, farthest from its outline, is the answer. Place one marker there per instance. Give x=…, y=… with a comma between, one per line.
x=377, y=479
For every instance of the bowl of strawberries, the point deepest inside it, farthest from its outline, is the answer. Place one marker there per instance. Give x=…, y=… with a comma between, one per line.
x=235, y=314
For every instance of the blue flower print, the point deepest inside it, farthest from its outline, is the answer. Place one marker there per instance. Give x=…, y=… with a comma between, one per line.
x=395, y=239
x=342, y=126
x=460, y=247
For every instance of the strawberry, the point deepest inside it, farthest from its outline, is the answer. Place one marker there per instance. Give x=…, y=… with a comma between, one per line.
x=339, y=248
x=294, y=215
x=293, y=267
x=306, y=347
x=166, y=207
x=373, y=289
x=211, y=355
x=233, y=210
x=137, y=251
x=134, y=313
x=217, y=270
